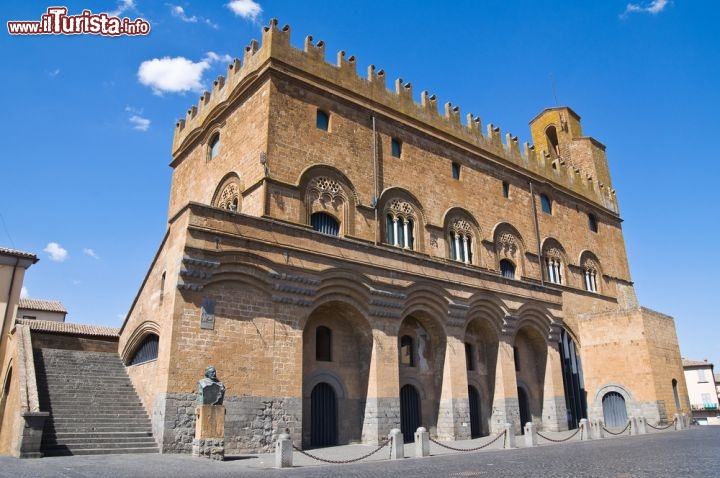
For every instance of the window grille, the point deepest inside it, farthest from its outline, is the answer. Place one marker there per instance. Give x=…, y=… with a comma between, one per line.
x=146, y=351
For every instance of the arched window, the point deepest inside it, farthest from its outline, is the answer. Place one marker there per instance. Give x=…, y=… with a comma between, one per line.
x=396, y=147
x=400, y=231
x=460, y=241
x=553, y=268
x=323, y=344
x=507, y=269
x=407, y=354
x=592, y=223
x=322, y=120
x=545, y=204
x=325, y=223
x=229, y=195
x=614, y=410
x=590, y=269
x=675, y=394
x=456, y=171
x=214, y=147
x=506, y=189
x=552, y=140
x=146, y=351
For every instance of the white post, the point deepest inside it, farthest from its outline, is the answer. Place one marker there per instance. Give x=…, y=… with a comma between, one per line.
x=509, y=436
x=465, y=250
x=422, y=442
x=283, y=452
x=395, y=231
x=397, y=445
x=530, y=435
x=585, y=430
x=642, y=430
x=457, y=247
x=634, y=426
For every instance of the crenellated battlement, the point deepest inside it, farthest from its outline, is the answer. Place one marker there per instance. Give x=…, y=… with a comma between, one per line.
x=310, y=62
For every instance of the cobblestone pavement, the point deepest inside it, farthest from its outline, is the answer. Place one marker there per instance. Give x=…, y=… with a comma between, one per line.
x=689, y=453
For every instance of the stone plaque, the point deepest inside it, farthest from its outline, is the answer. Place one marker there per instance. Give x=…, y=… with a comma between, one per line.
x=207, y=314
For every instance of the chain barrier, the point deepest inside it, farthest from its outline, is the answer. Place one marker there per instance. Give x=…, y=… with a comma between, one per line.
x=662, y=428
x=560, y=440
x=470, y=449
x=629, y=425
x=338, y=462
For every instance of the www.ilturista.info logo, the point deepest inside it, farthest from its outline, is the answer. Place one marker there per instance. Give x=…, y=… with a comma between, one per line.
x=57, y=22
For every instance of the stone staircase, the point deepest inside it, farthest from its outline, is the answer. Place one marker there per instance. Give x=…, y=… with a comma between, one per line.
x=93, y=406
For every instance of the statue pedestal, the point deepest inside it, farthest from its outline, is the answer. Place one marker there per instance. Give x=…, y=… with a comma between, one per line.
x=209, y=439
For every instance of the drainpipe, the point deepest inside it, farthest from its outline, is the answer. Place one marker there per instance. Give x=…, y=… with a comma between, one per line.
x=537, y=234
x=375, y=177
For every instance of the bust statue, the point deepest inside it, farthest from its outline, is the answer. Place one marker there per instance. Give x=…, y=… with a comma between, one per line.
x=210, y=390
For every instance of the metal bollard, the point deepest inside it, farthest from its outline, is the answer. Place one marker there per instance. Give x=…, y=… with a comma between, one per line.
x=585, y=430
x=397, y=444
x=422, y=442
x=530, y=435
x=509, y=436
x=283, y=451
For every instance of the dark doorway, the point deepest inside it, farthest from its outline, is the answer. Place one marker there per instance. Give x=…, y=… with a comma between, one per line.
x=575, y=395
x=614, y=411
x=474, y=397
x=524, y=409
x=410, y=415
x=323, y=416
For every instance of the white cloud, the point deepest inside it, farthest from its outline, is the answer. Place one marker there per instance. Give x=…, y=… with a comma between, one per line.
x=247, y=9
x=55, y=72
x=24, y=294
x=56, y=252
x=179, y=12
x=89, y=252
x=655, y=7
x=139, y=123
x=122, y=7
x=176, y=75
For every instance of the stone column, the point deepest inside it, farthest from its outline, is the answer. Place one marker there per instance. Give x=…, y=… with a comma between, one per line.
x=382, y=407
x=554, y=416
x=454, y=414
x=505, y=402
x=209, y=439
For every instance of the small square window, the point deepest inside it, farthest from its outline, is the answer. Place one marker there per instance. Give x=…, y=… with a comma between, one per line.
x=592, y=223
x=322, y=120
x=456, y=171
x=506, y=189
x=396, y=147
x=546, y=204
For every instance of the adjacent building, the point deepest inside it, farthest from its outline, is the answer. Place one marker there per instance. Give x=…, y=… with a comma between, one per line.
x=702, y=390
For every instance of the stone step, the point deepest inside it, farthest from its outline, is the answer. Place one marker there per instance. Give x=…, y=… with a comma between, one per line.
x=72, y=435
x=101, y=429
x=98, y=442
x=61, y=450
x=64, y=421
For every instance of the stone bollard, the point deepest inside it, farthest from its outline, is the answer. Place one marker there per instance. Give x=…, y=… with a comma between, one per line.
x=686, y=420
x=642, y=430
x=599, y=427
x=633, y=426
x=283, y=451
x=422, y=442
x=397, y=444
x=679, y=425
x=585, y=430
x=530, y=435
x=509, y=436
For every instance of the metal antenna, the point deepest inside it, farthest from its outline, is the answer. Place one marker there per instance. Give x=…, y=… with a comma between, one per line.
x=554, y=89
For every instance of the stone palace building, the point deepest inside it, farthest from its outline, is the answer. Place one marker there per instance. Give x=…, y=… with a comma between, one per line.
x=353, y=261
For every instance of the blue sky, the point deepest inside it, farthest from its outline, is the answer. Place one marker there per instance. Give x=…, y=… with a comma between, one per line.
x=88, y=122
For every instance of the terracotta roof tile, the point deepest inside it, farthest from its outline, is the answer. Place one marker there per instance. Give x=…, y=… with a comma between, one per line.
x=67, y=328
x=16, y=253
x=42, y=304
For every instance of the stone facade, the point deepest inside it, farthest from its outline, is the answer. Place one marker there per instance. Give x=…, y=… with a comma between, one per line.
x=351, y=262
